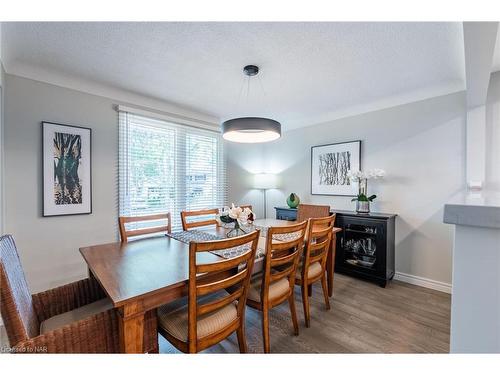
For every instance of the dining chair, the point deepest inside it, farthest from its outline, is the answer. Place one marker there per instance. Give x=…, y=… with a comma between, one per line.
x=186, y=225
x=275, y=284
x=125, y=234
x=249, y=206
x=307, y=211
x=73, y=318
x=212, y=314
x=313, y=265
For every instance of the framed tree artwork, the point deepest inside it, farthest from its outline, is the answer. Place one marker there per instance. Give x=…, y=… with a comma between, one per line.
x=330, y=165
x=67, y=173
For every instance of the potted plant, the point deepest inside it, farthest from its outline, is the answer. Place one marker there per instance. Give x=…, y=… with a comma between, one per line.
x=238, y=216
x=362, y=199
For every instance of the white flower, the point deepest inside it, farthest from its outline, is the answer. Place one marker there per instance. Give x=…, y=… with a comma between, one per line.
x=243, y=219
x=355, y=175
x=237, y=213
x=378, y=173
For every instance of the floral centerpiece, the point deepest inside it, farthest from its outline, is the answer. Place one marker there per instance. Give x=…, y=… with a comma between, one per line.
x=237, y=215
x=362, y=199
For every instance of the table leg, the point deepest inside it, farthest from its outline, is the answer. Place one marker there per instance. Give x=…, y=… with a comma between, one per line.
x=330, y=264
x=131, y=329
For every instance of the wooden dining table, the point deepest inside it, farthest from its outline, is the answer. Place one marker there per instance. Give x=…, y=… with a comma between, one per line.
x=142, y=275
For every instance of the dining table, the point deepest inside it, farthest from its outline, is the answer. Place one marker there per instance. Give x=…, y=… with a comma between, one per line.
x=141, y=275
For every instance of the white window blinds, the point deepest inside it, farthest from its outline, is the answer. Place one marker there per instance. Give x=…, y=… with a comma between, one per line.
x=167, y=167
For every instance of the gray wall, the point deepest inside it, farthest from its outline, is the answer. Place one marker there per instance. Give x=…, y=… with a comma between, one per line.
x=421, y=147
x=493, y=133
x=48, y=246
x=2, y=121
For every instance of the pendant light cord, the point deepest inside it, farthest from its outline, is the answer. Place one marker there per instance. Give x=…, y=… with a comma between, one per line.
x=248, y=87
x=239, y=95
x=266, y=104
x=247, y=83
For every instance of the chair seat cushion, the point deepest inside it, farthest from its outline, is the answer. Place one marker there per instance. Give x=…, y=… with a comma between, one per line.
x=276, y=289
x=313, y=271
x=175, y=321
x=75, y=315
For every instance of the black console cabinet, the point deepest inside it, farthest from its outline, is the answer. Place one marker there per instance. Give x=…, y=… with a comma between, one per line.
x=365, y=247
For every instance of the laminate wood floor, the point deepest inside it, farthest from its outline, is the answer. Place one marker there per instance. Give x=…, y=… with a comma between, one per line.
x=364, y=318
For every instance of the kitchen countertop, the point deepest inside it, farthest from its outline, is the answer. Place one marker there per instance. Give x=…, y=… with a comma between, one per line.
x=474, y=208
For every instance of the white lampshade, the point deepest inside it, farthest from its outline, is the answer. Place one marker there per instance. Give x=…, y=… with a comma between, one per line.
x=265, y=181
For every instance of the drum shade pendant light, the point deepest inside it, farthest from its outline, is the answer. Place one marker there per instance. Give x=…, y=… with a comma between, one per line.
x=251, y=129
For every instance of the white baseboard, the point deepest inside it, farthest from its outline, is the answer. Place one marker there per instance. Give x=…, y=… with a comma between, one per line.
x=422, y=281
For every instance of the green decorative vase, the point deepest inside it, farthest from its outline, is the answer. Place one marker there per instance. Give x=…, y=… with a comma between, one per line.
x=293, y=200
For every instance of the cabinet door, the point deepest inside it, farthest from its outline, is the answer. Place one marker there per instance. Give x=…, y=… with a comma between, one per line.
x=362, y=246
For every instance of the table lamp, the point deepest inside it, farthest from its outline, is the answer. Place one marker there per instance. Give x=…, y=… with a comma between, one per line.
x=265, y=181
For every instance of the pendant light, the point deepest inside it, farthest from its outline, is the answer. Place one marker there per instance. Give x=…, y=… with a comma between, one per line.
x=251, y=129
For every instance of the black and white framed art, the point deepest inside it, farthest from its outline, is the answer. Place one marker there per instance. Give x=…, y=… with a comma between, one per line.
x=67, y=169
x=330, y=165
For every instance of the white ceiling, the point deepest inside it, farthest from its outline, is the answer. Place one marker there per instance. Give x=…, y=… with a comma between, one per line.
x=311, y=72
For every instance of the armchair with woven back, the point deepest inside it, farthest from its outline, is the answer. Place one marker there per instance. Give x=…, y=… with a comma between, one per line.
x=73, y=318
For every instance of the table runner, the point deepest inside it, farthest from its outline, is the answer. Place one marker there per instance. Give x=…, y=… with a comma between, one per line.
x=278, y=236
x=200, y=236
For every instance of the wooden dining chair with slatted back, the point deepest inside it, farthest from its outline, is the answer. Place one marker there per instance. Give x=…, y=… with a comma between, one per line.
x=188, y=224
x=275, y=284
x=308, y=211
x=212, y=314
x=127, y=234
x=313, y=265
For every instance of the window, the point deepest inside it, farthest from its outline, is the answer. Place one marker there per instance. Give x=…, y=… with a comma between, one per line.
x=168, y=167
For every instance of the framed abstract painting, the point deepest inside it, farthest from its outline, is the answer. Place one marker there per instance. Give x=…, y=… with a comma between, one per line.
x=330, y=165
x=67, y=169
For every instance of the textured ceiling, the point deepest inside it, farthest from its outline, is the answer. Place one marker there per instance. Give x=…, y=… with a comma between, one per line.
x=310, y=72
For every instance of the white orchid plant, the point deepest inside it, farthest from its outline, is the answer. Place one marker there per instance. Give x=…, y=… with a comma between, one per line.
x=361, y=178
x=235, y=214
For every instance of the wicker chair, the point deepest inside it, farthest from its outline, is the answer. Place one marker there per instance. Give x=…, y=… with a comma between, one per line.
x=74, y=318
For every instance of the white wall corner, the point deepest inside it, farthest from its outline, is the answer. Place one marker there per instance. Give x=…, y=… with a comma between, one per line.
x=479, y=47
x=476, y=145
x=423, y=282
x=1, y=45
